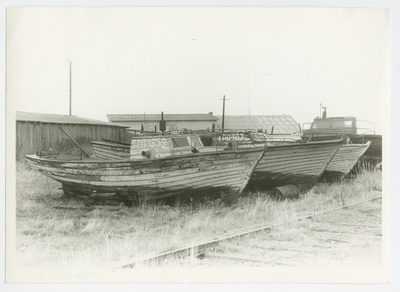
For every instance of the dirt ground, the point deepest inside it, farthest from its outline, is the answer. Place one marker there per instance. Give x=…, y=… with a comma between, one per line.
x=347, y=237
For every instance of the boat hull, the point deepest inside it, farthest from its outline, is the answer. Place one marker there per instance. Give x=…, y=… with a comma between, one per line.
x=194, y=174
x=298, y=164
x=344, y=161
x=372, y=155
x=374, y=151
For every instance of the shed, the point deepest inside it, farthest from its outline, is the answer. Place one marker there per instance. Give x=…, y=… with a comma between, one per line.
x=39, y=131
x=173, y=121
x=283, y=124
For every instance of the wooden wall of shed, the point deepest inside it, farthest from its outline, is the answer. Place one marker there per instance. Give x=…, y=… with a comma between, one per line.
x=37, y=136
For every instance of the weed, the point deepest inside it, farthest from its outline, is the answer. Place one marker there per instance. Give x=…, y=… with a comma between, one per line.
x=76, y=235
x=370, y=179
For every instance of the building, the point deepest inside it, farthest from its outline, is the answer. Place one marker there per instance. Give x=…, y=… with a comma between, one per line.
x=281, y=124
x=151, y=122
x=40, y=132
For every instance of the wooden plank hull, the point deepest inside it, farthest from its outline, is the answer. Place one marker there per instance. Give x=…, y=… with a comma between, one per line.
x=299, y=164
x=193, y=174
x=374, y=151
x=344, y=161
x=110, y=150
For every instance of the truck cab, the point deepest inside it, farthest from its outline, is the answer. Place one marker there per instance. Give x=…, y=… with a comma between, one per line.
x=329, y=128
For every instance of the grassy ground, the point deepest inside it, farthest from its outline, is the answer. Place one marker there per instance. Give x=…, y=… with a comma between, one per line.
x=347, y=237
x=58, y=232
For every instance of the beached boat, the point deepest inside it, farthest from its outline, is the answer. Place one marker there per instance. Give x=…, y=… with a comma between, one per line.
x=344, y=161
x=157, y=167
x=339, y=166
x=298, y=164
x=285, y=162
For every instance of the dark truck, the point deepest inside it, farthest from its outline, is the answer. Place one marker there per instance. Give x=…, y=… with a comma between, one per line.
x=334, y=127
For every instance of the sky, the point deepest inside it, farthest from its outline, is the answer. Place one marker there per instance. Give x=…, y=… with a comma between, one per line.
x=266, y=61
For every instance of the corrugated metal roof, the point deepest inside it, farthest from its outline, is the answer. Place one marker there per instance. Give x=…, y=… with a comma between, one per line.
x=61, y=119
x=283, y=124
x=157, y=117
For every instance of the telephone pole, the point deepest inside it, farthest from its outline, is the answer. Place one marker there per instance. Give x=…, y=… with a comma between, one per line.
x=70, y=89
x=223, y=113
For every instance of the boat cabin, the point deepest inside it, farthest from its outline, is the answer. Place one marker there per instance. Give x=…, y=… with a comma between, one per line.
x=151, y=147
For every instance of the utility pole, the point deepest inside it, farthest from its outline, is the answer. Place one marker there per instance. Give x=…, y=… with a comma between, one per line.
x=70, y=89
x=223, y=113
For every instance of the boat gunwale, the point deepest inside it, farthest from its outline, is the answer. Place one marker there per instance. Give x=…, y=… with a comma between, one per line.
x=34, y=157
x=337, y=141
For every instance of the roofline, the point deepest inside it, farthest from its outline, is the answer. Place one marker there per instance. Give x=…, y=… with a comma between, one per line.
x=208, y=117
x=34, y=118
x=68, y=123
x=327, y=118
x=283, y=115
x=152, y=120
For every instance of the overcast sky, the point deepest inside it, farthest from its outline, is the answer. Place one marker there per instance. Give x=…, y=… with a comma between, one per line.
x=183, y=60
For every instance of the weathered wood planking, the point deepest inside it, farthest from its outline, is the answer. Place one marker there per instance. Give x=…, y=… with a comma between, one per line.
x=344, y=161
x=299, y=164
x=192, y=174
x=110, y=150
x=115, y=150
x=374, y=151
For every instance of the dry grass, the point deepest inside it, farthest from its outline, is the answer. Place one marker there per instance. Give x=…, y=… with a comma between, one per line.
x=76, y=236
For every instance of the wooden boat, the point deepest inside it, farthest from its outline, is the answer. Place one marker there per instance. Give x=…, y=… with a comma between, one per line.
x=339, y=166
x=285, y=162
x=344, y=161
x=298, y=164
x=157, y=167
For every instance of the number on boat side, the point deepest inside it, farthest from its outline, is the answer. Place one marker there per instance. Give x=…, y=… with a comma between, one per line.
x=148, y=143
x=231, y=137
